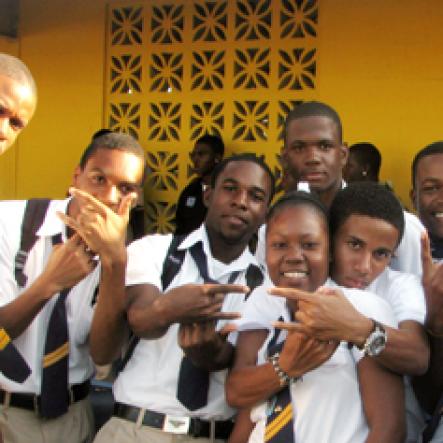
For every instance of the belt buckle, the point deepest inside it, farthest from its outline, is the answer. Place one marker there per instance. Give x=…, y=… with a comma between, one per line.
x=176, y=425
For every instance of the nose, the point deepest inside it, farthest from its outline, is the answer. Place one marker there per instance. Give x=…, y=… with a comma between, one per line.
x=110, y=196
x=241, y=198
x=363, y=265
x=312, y=155
x=294, y=254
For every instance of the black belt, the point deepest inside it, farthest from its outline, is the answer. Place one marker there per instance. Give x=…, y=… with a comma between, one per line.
x=197, y=427
x=31, y=402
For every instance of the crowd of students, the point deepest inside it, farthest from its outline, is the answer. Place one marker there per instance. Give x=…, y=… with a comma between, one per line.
x=329, y=329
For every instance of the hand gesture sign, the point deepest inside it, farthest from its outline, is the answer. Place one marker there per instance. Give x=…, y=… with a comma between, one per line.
x=102, y=229
x=325, y=314
x=433, y=285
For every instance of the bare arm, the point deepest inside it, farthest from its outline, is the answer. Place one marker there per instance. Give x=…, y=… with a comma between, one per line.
x=104, y=232
x=67, y=265
x=249, y=383
x=328, y=315
x=151, y=312
x=382, y=394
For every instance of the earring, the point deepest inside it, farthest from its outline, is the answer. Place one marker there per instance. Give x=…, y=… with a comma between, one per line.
x=364, y=173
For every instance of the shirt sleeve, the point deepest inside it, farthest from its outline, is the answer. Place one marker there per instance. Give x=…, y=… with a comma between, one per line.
x=408, y=255
x=406, y=297
x=145, y=260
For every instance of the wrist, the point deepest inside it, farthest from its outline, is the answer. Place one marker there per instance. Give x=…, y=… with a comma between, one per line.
x=363, y=330
x=282, y=375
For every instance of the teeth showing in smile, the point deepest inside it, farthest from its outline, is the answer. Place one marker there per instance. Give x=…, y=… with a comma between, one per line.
x=438, y=214
x=295, y=274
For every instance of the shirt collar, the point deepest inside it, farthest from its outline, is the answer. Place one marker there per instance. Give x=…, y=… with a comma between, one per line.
x=200, y=234
x=52, y=224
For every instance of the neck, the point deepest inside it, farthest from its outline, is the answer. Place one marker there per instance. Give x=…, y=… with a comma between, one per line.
x=328, y=195
x=222, y=249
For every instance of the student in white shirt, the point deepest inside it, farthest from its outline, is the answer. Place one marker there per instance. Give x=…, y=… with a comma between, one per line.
x=108, y=177
x=182, y=317
x=338, y=394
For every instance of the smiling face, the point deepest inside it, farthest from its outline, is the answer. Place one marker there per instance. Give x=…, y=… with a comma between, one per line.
x=297, y=251
x=17, y=106
x=109, y=175
x=314, y=153
x=362, y=248
x=238, y=203
x=427, y=194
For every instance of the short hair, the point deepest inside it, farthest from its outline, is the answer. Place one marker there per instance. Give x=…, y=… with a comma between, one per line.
x=15, y=69
x=214, y=142
x=249, y=157
x=101, y=132
x=298, y=198
x=432, y=149
x=314, y=109
x=368, y=199
x=114, y=141
x=367, y=153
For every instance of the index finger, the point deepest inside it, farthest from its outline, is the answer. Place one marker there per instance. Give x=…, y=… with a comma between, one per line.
x=216, y=288
x=87, y=198
x=291, y=293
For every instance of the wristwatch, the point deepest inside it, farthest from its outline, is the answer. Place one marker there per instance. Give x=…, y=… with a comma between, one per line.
x=376, y=341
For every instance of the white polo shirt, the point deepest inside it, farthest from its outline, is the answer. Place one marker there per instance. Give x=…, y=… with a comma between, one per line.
x=78, y=303
x=150, y=378
x=326, y=401
x=404, y=293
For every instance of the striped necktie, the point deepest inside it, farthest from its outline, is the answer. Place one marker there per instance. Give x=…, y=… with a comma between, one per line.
x=12, y=364
x=54, y=390
x=279, y=420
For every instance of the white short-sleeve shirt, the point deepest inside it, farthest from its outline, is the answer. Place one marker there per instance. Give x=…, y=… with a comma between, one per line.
x=326, y=401
x=79, y=310
x=150, y=378
x=404, y=293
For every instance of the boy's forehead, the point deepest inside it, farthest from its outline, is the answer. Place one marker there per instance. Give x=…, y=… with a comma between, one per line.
x=430, y=165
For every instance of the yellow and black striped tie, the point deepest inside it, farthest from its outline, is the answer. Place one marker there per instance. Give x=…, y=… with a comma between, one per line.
x=279, y=423
x=54, y=398
x=12, y=364
x=54, y=393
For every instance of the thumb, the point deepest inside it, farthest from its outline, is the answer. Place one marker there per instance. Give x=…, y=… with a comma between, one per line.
x=426, y=257
x=126, y=204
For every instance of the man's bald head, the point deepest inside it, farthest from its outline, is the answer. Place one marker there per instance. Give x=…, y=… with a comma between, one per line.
x=15, y=69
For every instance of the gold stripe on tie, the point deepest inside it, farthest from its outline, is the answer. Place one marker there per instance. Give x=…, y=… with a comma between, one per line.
x=55, y=356
x=4, y=339
x=278, y=423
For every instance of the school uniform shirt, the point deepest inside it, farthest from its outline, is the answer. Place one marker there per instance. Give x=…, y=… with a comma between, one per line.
x=326, y=401
x=408, y=254
x=31, y=342
x=404, y=293
x=150, y=378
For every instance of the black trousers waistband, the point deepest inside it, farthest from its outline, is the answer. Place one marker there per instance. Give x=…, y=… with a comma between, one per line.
x=31, y=402
x=197, y=427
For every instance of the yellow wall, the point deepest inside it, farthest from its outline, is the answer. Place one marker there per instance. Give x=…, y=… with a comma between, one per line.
x=379, y=63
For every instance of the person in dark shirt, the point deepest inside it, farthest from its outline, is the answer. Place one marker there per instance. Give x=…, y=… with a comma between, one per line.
x=191, y=211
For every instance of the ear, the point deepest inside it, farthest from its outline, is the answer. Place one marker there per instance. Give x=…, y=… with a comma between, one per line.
x=207, y=195
x=75, y=176
x=344, y=153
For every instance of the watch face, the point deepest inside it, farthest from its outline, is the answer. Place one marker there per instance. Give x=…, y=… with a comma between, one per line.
x=377, y=342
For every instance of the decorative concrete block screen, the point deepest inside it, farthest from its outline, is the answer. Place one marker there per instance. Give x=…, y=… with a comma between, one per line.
x=176, y=70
